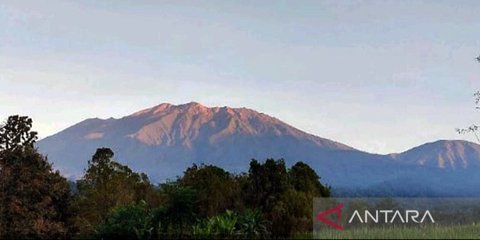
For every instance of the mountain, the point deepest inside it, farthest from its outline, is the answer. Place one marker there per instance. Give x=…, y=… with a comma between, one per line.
x=443, y=154
x=174, y=137
x=164, y=140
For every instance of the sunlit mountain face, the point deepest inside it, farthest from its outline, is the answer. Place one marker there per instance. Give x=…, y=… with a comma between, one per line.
x=164, y=140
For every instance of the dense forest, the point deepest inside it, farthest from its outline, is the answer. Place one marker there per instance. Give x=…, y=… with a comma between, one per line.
x=112, y=201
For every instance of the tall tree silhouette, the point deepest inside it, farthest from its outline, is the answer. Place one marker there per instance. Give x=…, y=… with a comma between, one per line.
x=16, y=132
x=34, y=200
x=108, y=184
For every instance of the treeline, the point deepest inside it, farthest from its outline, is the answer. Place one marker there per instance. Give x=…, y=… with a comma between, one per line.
x=112, y=201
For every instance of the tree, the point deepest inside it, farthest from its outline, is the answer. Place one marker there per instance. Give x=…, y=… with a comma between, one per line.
x=266, y=182
x=473, y=128
x=106, y=185
x=35, y=201
x=285, y=196
x=178, y=214
x=16, y=133
x=215, y=188
x=132, y=221
x=303, y=178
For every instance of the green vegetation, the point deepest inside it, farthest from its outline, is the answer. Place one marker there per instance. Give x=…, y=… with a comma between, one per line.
x=107, y=185
x=112, y=201
x=441, y=232
x=35, y=201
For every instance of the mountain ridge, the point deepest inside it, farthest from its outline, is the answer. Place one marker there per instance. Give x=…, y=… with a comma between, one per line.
x=166, y=139
x=445, y=154
x=192, y=126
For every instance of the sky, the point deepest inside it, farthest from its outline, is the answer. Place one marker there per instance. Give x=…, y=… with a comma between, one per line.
x=380, y=76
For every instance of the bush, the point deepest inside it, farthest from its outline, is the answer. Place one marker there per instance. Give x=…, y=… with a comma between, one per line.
x=133, y=221
x=249, y=224
x=252, y=224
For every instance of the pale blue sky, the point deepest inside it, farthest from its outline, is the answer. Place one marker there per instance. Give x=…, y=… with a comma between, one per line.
x=381, y=76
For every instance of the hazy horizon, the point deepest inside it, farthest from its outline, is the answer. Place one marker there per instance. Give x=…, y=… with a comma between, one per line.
x=380, y=76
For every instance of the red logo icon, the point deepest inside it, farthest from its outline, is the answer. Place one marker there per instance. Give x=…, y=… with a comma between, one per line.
x=322, y=217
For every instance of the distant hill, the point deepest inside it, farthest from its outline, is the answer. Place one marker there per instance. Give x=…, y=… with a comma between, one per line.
x=164, y=140
x=443, y=154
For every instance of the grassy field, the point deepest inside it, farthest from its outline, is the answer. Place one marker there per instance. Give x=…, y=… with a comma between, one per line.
x=447, y=232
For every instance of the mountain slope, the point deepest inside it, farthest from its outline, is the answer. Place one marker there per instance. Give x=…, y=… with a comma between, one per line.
x=174, y=137
x=164, y=140
x=443, y=154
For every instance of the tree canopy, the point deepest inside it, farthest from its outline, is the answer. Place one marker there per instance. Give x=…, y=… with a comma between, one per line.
x=34, y=200
x=108, y=184
x=111, y=200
